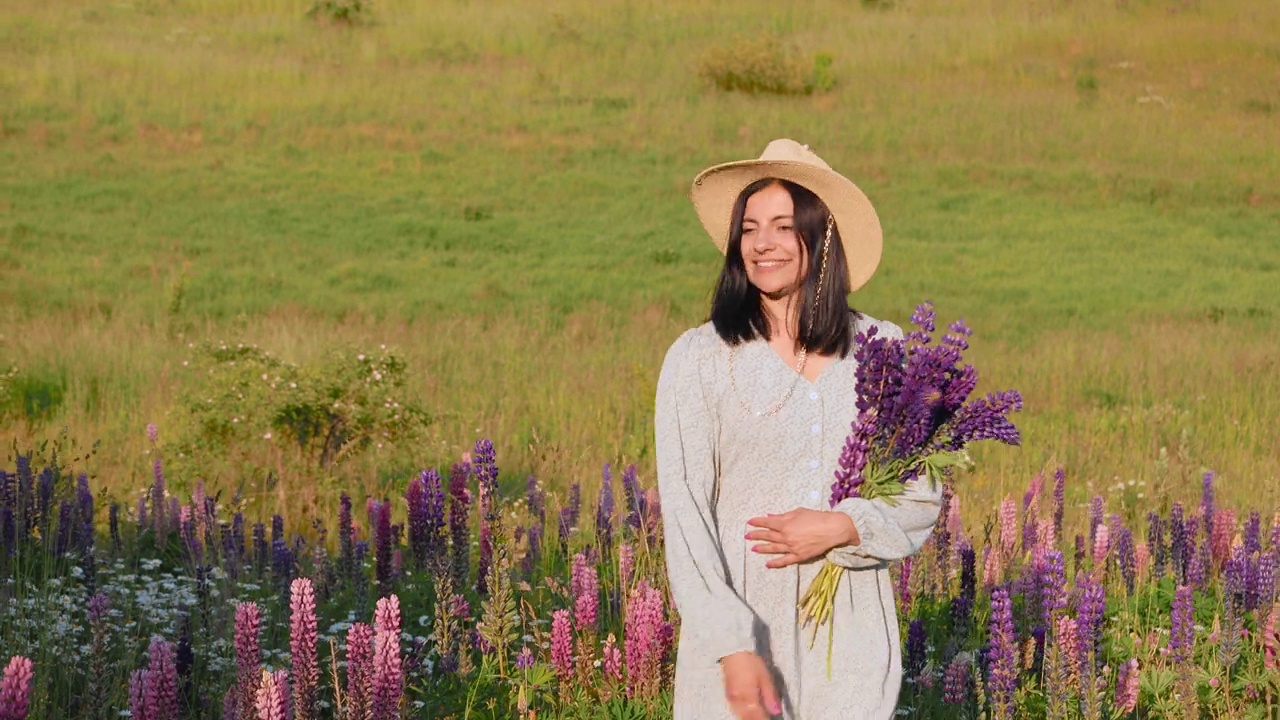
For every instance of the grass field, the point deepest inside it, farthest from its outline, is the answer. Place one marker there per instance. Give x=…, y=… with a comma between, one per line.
x=497, y=191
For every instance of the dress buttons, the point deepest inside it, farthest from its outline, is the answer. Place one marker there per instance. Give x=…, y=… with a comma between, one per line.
x=813, y=394
x=815, y=429
x=813, y=463
x=813, y=494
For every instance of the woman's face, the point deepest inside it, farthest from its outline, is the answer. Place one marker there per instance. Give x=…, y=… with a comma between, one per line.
x=771, y=249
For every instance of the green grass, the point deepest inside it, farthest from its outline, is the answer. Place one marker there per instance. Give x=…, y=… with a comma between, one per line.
x=498, y=191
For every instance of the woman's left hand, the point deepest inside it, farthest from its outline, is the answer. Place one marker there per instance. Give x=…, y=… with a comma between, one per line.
x=801, y=534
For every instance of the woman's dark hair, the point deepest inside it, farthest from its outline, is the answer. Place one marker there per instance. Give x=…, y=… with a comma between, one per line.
x=736, y=311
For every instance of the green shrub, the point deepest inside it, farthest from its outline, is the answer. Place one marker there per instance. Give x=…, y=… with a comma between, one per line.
x=767, y=66
x=242, y=403
x=347, y=11
x=32, y=397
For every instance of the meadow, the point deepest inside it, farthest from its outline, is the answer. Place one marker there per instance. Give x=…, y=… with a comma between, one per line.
x=489, y=199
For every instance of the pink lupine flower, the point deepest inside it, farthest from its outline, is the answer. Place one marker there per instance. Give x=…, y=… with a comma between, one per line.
x=1008, y=526
x=302, y=647
x=586, y=589
x=388, y=677
x=612, y=659
x=15, y=688
x=626, y=564
x=1271, y=641
x=644, y=641
x=1141, y=559
x=386, y=615
x=1127, y=686
x=161, y=686
x=1224, y=528
x=1048, y=537
x=954, y=523
x=992, y=568
x=955, y=680
x=138, y=694
x=1067, y=636
x=1101, y=545
x=230, y=704
x=359, y=671
x=562, y=644
x=248, y=657
x=272, y=702
x=153, y=433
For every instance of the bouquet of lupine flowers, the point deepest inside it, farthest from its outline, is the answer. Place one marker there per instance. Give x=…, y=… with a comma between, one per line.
x=914, y=422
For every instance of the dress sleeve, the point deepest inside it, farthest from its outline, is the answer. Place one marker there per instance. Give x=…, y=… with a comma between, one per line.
x=889, y=532
x=715, y=617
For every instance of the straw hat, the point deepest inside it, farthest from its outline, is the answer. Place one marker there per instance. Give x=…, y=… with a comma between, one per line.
x=716, y=189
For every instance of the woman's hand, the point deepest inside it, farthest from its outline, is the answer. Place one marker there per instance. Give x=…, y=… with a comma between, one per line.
x=748, y=687
x=801, y=534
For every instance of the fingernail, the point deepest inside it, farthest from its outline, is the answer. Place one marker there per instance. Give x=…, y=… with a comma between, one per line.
x=775, y=709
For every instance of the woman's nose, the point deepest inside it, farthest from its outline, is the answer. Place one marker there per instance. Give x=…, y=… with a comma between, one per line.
x=762, y=240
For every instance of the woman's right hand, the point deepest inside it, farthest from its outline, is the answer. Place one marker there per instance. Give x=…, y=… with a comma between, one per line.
x=748, y=687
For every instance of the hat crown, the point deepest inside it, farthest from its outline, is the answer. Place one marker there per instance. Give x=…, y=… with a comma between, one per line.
x=787, y=150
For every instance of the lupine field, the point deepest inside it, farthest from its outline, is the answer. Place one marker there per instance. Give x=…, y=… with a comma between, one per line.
x=451, y=601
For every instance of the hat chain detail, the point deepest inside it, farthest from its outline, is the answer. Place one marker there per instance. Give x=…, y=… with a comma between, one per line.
x=804, y=351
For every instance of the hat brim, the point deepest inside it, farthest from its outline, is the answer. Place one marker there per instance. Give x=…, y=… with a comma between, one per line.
x=716, y=189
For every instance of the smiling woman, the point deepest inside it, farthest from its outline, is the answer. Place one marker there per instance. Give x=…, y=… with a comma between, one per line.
x=752, y=411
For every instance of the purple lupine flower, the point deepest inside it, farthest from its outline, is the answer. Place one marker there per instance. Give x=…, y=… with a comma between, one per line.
x=612, y=659
x=1197, y=569
x=1126, y=557
x=248, y=623
x=302, y=648
x=853, y=458
x=84, y=507
x=534, y=554
x=1179, y=553
x=15, y=688
x=1207, y=509
x=569, y=514
x=388, y=675
x=359, y=671
x=917, y=642
x=1053, y=587
x=66, y=529
x=272, y=701
x=586, y=591
x=923, y=318
x=536, y=499
x=346, y=537
x=962, y=603
x=1253, y=533
x=1127, y=686
x=604, y=512
x=161, y=686
x=1155, y=543
x=626, y=564
x=1265, y=580
x=987, y=419
x=633, y=497
x=484, y=466
x=1002, y=653
x=904, y=583
x=230, y=711
x=955, y=680
x=524, y=660
x=1235, y=570
x=1182, y=630
x=158, y=523
x=415, y=497
x=1059, y=499
x=1090, y=609
x=382, y=550
x=281, y=560
x=459, y=535
x=942, y=535
x=562, y=645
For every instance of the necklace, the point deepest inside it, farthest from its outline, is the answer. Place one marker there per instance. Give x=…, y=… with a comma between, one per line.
x=804, y=351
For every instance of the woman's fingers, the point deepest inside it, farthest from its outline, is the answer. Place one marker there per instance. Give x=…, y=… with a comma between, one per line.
x=785, y=560
x=769, y=693
x=766, y=535
x=771, y=548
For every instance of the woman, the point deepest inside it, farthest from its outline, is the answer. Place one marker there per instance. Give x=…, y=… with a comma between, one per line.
x=752, y=411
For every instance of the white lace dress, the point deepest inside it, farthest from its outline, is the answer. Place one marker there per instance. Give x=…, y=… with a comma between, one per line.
x=718, y=466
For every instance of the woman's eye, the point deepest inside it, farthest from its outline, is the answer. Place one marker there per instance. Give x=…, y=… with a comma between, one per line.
x=748, y=231
x=784, y=228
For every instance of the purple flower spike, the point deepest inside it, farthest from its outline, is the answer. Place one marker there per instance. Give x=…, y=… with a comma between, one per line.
x=248, y=655
x=604, y=512
x=1182, y=632
x=15, y=688
x=1002, y=682
x=359, y=670
x=1127, y=686
x=524, y=660
x=161, y=686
